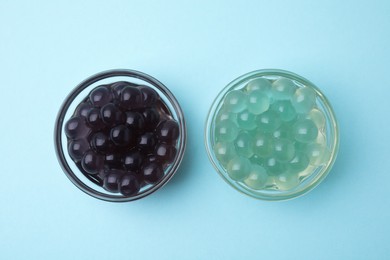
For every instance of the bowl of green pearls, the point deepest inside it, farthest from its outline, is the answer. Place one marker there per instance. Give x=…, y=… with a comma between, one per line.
x=272, y=135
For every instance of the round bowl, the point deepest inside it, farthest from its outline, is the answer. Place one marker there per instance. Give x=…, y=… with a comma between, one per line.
x=277, y=144
x=78, y=94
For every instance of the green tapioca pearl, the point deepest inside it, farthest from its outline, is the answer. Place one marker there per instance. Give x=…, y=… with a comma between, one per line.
x=238, y=168
x=224, y=114
x=258, y=84
x=268, y=122
x=226, y=131
x=257, y=178
x=283, y=150
x=273, y=166
x=309, y=170
x=235, y=101
x=305, y=131
x=321, y=138
x=244, y=144
x=246, y=120
x=256, y=160
x=284, y=132
x=318, y=154
x=257, y=102
x=300, y=147
x=287, y=181
x=304, y=100
x=298, y=163
x=317, y=117
x=285, y=110
x=262, y=145
x=283, y=89
x=224, y=151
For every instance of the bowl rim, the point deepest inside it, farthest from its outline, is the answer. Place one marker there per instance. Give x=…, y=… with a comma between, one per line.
x=59, y=123
x=271, y=72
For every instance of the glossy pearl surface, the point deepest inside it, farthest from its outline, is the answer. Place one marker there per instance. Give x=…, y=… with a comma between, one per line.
x=270, y=134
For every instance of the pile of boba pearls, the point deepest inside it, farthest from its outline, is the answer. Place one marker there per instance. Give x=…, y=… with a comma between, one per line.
x=122, y=137
x=270, y=134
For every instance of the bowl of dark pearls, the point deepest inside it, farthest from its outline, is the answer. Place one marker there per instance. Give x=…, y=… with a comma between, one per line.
x=120, y=135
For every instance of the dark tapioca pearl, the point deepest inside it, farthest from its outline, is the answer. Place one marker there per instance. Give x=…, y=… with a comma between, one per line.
x=101, y=174
x=113, y=160
x=147, y=142
x=96, y=178
x=100, y=96
x=152, y=172
x=135, y=120
x=149, y=95
x=94, y=119
x=165, y=152
x=151, y=158
x=130, y=98
x=168, y=131
x=77, y=149
x=129, y=185
x=117, y=88
x=83, y=109
x=132, y=160
x=122, y=136
x=111, y=115
x=152, y=118
x=165, y=112
x=92, y=162
x=76, y=128
x=111, y=180
x=107, y=170
x=100, y=142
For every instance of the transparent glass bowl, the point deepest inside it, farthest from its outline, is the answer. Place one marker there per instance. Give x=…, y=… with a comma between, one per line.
x=316, y=175
x=78, y=94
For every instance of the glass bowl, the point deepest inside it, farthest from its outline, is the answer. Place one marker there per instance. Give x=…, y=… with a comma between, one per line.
x=277, y=144
x=78, y=94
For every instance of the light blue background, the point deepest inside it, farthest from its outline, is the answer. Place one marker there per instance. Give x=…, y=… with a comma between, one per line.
x=195, y=48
